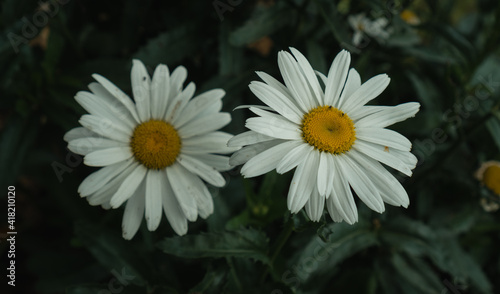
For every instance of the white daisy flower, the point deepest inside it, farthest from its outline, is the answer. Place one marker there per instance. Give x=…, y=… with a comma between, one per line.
x=330, y=136
x=154, y=152
x=363, y=26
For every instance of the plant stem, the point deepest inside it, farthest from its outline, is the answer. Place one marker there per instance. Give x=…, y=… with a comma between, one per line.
x=278, y=245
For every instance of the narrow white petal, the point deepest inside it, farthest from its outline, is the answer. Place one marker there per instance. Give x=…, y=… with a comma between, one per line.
x=361, y=184
x=160, y=88
x=390, y=188
x=247, y=138
x=267, y=160
x=219, y=162
x=244, y=154
x=377, y=152
x=141, y=83
x=107, y=156
x=197, y=167
x=177, y=79
x=119, y=110
x=184, y=190
x=105, y=127
x=198, y=105
x=332, y=210
x=177, y=104
x=365, y=111
x=351, y=85
x=337, y=76
x=326, y=171
x=278, y=101
x=341, y=200
x=315, y=206
x=303, y=183
x=128, y=187
x=103, y=195
x=389, y=116
x=294, y=158
x=205, y=124
x=274, y=126
x=118, y=94
x=98, y=179
x=79, y=133
x=133, y=214
x=368, y=91
x=384, y=137
x=172, y=209
x=295, y=81
x=84, y=146
x=310, y=75
x=214, y=142
x=154, y=184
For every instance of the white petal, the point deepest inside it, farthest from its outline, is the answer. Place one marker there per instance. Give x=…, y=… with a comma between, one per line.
x=267, y=160
x=219, y=162
x=244, y=154
x=295, y=81
x=369, y=90
x=390, y=115
x=274, y=126
x=177, y=79
x=294, y=158
x=390, y=188
x=84, y=146
x=199, y=104
x=154, y=182
x=248, y=138
x=384, y=137
x=119, y=110
x=118, y=94
x=351, y=85
x=341, y=200
x=310, y=76
x=184, y=190
x=103, y=195
x=128, y=187
x=78, y=133
x=160, y=88
x=377, y=152
x=197, y=167
x=141, y=89
x=105, y=127
x=204, y=125
x=303, y=182
x=214, y=142
x=134, y=212
x=337, y=76
x=179, y=102
x=315, y=206
x=326, y=172
x=173, y=210
x=277, y=101
x=98, y=179
x=361, y=184
x=107, y=156
x=365, y=111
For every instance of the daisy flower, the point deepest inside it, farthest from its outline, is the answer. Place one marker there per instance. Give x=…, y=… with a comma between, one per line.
x=329, y=135
x=489, y=175
x=156, y=152
x=364, y=26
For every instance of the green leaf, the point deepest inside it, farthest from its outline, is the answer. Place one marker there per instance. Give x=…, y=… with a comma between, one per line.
x=116, y=254
x=170, y=47
x=493, y=125
x=243, y=243
x=263, y=22
x=417, y=273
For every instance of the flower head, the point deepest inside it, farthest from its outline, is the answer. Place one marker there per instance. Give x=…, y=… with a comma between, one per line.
x=364, y=26
x=329, y=135
x=154, y=152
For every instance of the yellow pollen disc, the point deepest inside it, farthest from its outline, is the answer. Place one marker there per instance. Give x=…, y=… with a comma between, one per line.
x=491, y=178
x=155, y=144
x=328, y=129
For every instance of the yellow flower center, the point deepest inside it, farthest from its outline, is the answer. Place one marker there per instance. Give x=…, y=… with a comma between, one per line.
x=491, y=178
x=155, y=144
x=328, y=129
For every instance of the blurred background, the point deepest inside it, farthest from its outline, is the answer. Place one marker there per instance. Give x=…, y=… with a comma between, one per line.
x=443, y=54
